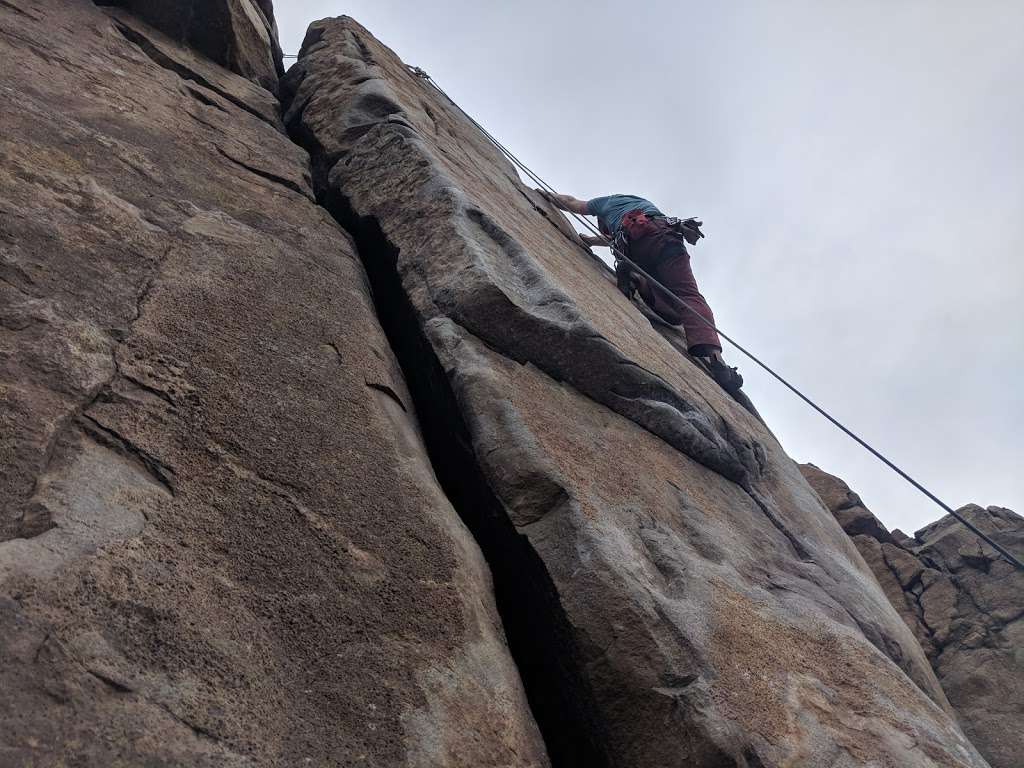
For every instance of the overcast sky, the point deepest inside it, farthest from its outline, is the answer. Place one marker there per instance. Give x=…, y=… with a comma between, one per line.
x=860, y=170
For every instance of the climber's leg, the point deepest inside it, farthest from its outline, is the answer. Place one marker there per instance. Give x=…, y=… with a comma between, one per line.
x=673, y=271
x=665, y=258
x=675, y=274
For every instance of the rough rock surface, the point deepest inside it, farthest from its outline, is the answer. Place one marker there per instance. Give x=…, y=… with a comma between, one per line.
x=964, y=603
x=221, y=540
x=674, y=592
x=241, y=35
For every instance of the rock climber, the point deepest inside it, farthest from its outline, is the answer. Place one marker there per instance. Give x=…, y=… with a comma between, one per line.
x=657, y=245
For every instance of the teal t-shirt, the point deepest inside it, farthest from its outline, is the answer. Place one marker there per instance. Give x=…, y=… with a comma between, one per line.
x=610, y=210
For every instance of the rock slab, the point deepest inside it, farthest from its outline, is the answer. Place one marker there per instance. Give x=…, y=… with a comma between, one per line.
x=221, y=540
x=240, y=35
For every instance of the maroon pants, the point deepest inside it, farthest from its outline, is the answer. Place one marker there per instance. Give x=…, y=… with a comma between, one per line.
x=662, y=254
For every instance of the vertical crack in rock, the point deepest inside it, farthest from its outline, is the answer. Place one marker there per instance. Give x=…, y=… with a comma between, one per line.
x=536, y=627
x=352, y=615
x=507, y=340
x=643, y=631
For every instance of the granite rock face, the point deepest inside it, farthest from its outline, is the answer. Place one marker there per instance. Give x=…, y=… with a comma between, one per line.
x=262, y=421
x=240, y=35
x=673, y=591
x=222, y=542
x=963, y=602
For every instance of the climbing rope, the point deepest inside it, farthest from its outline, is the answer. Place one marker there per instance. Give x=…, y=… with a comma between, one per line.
x=684, y=305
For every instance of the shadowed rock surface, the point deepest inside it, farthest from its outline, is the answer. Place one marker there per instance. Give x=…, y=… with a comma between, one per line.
x=221, y=540
x=674, y=592
x=240, y=35
x=962, y=600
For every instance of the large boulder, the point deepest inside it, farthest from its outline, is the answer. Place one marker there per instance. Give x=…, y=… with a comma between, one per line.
x=240, y=35
x=222, y=542
x=964, y=603
x=674, y=592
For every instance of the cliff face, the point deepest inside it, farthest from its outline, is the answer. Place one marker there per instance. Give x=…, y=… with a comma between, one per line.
x=674, y=592
x=222, y=540
x=962, y=601
x=240, y=35
x=250, y=488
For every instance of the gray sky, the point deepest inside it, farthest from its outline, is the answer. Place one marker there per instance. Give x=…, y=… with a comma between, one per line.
x=860, y=170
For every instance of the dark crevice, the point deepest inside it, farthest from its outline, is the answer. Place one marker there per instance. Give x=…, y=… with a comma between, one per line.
x=313, y=37
x=917, y=606
x=888, y=645
x=929, y=631
x=200, y=26
x=539, y=635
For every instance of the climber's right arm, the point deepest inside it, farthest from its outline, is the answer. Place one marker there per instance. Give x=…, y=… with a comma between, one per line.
x=569, y=203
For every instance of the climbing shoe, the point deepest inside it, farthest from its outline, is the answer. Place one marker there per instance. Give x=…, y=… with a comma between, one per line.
x=728, y=378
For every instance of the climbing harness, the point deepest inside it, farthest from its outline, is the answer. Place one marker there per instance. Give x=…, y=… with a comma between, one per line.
x=623, y=258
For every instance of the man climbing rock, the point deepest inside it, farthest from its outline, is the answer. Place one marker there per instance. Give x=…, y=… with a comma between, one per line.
x=657, y=245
